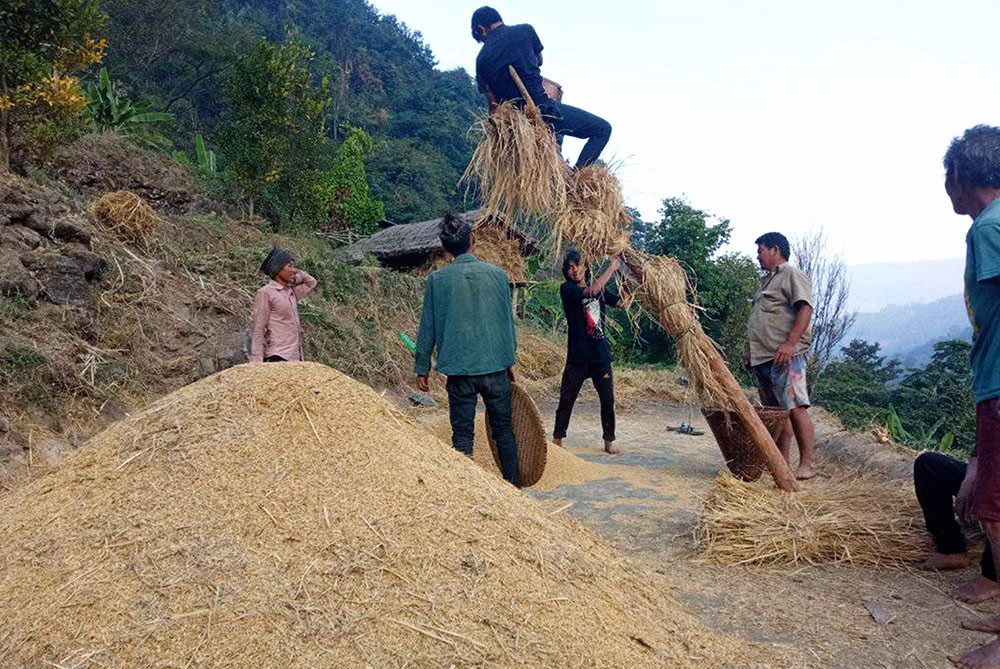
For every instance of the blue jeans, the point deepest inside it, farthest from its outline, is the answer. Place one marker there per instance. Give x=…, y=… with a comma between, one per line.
x=575, y=122
x=463, y=392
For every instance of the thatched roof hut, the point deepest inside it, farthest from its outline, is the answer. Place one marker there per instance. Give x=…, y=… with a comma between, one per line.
x=418, y=246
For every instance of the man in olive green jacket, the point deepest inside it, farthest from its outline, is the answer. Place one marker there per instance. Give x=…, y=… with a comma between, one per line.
x=467, y=317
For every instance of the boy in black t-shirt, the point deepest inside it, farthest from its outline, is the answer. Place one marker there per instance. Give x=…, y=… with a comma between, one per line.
x=588, y=354
x=519, y=46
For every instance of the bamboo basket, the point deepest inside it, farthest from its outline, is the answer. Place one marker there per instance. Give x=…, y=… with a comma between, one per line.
x=532, y=443
x=743, y=456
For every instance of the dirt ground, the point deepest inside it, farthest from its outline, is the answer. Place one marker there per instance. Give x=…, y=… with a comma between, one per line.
x=813, y=616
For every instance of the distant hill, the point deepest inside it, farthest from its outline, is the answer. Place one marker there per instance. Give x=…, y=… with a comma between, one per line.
x=909, y=332
x=875, y=286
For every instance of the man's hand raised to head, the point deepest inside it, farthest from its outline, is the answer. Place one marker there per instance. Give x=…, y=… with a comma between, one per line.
x=423, y=384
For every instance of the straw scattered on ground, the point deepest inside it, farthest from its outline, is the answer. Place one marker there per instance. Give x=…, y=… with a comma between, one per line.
x=594, y=219
x=494, y=245
x=516, y=166
x=853, y=517
x=127, y=216
x=285, y=514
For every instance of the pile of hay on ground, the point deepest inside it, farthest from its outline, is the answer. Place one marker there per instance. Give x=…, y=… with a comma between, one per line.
x=287, y=515
x=594, y=219
x=517, y=166
x=495, y=245
x=854, y=517
x=127, y=216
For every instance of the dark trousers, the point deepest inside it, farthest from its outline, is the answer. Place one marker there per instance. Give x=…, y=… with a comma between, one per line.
x=274, y=358
x=937, y=478
x=573, y=377
x=581, y=124
x=463, y=395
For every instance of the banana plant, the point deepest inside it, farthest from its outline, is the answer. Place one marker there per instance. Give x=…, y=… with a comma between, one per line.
x=206, y=157
x=109, y=110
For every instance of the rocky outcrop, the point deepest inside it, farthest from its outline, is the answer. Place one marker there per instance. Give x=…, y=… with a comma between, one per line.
x=44, y=247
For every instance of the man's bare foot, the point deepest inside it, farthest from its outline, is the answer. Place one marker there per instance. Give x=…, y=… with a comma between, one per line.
x=609, y=447
x=945, y=561
x=977, y=590
x=557, y=442
x=805, y=472
x=989, y=624
x=985, y=657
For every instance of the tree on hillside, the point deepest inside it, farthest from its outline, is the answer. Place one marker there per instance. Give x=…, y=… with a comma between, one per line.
x=353, y=206
x=857, y=387
x=43, y=43
x=831, y=317
x=276, y=141
x=938, y=399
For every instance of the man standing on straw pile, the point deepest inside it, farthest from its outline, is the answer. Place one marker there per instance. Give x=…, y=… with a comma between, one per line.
x=467, y=317
x=972, y=181
x=588, y=354
x=519, y=46
x=275, y=331
x=779, y=341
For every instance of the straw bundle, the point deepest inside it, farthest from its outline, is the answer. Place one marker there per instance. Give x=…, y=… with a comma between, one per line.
x=494, y=245
x=594, y=217
x=286, y=515
x=126, y=215
x=663, y=289
x=855, y=518
x=517, y=164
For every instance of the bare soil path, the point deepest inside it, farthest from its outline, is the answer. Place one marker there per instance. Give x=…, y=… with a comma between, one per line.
x=813, y=615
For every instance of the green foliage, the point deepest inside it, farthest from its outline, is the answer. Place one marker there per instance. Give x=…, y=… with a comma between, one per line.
x=353, y=206
x=939, y=396
x=181, y=54
x=931, y=407
x=724, y=285
x=856, y=388
x=109, y=110
x=204, y=155
x=43, y=43
x=276, y=142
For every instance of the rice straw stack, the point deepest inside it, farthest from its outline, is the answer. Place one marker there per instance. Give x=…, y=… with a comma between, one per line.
x=126, y=215
x=855, y=518
x=517, y=164
x=594, y=218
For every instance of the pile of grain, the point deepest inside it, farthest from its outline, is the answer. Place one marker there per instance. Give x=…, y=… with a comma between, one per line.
x=853, y=517
x=561, y=466
x=493, y=244
x=127, y=215
x=287, y=515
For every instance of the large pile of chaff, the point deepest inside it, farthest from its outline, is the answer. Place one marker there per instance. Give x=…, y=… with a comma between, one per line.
x=287, y=515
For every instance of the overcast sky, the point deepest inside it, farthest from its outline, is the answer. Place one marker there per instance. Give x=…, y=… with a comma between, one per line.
x=779, y=115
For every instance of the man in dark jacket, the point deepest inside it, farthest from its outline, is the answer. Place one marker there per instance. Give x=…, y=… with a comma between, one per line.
x=467, y=317
x=519, y=46
x=588, y=353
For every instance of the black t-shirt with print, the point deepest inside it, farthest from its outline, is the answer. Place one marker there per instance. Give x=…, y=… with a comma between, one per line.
x=586, y=340
x=511, y=45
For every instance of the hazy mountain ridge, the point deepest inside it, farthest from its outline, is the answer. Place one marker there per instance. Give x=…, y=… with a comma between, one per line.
x=909, y=332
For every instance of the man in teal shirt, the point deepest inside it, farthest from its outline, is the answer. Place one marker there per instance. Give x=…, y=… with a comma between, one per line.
x=467, y=317
x=972, y=181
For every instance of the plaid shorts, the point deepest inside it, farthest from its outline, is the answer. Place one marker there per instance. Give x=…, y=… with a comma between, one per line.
x=783, y=386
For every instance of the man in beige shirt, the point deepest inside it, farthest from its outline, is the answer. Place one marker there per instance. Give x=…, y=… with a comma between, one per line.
x=779, y=342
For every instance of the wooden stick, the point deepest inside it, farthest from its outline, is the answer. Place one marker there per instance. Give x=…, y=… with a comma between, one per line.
x=520, y=86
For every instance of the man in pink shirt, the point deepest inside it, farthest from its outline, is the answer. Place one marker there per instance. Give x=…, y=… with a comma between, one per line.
x=275, y=332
